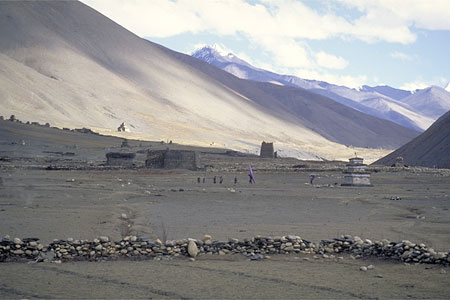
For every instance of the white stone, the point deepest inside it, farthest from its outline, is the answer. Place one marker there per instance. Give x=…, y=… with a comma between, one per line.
x=206, y=237
x=192, y=249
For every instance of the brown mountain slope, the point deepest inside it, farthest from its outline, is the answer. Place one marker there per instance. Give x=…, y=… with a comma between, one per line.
x=430, y=149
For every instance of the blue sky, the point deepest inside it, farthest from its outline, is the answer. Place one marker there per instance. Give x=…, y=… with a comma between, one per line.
x=401, y=43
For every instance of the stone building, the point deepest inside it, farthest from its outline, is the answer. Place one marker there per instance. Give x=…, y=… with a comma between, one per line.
x=267, y=150
x=173, y=159
x=356, y=174
x=123, y=159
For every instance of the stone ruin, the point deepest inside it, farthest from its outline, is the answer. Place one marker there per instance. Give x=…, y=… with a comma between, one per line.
x=173, y=159
x=356, y=174
x=399, y=163
x=267, y=150
x=123, y=159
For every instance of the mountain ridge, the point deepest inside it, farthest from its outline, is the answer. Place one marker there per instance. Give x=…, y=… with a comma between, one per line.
x=295, y=100
x=380, y=101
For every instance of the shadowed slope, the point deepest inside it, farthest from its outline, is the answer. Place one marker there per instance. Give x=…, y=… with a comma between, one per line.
x=430, y=149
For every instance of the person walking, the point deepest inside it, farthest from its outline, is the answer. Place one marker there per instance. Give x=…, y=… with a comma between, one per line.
x=311, y=180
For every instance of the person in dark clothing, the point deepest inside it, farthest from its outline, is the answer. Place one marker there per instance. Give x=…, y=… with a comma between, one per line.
x=251, y=179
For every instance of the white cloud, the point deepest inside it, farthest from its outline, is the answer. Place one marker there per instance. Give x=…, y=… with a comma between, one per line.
x=280, y=28
x=381, y=20
x=414, y=85
x=401, y=56
x=345, y=80
x=421, y=84
x=330, y=61
x=285, y=52
x=156, y=18
x=425, y=14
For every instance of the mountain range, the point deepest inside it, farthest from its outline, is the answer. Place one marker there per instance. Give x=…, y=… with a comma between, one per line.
x=64, y=63
x=416, y=110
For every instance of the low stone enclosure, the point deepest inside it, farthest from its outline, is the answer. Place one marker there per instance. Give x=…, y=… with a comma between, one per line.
x=173, y=159
x=124, y=159
x=132, y=247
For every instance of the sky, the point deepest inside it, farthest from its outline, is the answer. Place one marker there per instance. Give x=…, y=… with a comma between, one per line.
x=401, y=43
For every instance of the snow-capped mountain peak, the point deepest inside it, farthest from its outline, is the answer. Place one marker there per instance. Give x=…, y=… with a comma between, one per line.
x=207, y=53
x=447, y=88
x=224, y=59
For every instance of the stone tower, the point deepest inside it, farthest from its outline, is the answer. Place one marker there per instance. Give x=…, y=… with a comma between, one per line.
x=267, y=150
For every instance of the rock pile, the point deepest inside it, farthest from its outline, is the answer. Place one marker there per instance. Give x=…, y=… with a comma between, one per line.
x=405, y=250
x=16, y=248
x=256, y=248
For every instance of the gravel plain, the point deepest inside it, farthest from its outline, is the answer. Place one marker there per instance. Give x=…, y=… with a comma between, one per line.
x=79, y=197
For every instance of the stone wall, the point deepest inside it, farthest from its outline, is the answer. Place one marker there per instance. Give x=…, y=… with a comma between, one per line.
x=173, y=159
x=267, y=150
x=133, y=247
x=124, y=159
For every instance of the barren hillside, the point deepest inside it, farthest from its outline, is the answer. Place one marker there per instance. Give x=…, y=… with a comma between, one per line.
x=65, y=63
x=430, y=149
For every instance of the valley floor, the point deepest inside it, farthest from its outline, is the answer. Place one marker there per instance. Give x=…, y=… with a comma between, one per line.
x=171, y=204
x=79, y=197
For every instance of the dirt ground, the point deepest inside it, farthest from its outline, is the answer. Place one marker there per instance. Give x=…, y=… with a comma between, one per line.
x=171, y=204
